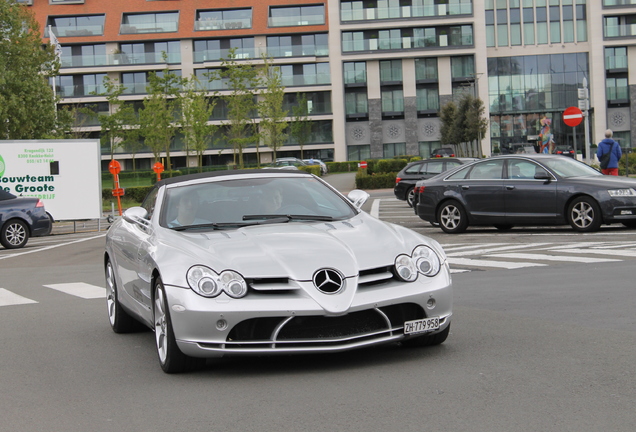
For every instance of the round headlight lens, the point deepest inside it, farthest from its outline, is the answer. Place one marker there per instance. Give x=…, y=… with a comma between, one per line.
x=233, y=284
x=427, y=261
x=202, y=280
x=405, y=268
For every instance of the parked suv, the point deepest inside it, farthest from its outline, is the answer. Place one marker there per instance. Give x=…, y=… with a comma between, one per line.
x=420, y=170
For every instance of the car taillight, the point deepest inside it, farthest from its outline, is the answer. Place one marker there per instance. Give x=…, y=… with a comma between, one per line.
x=452, y=155
x=419, y=189
x=397, y=180
x=39, y=203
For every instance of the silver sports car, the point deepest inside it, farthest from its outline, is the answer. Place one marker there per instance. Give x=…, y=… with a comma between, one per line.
x=266, y=262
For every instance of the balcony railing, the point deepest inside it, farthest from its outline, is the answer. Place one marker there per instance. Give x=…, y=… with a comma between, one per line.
x=380, y=13
x=158, y=27
x=304, y=80
x=296, y=21
x=69, y=91
x=73, y=31
x=622, y=30
x=230, y=24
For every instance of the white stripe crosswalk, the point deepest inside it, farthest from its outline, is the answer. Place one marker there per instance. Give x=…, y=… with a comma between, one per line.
x=76, y=289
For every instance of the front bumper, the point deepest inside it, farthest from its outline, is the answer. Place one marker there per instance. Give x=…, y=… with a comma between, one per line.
x=283, y=323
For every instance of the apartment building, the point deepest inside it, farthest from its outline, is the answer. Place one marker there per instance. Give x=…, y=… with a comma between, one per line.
x=375, y=72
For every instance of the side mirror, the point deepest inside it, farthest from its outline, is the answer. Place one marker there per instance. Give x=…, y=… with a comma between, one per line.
x=358, y=197
x=136, y=215
x=541, y=174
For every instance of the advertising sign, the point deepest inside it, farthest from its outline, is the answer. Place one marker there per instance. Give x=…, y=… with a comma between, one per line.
x=64, y=174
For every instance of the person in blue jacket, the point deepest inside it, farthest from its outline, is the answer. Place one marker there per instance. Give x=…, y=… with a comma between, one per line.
x=611, y=147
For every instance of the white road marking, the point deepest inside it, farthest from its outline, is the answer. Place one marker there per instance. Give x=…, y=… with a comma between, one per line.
x=375, y=209
x=8, y=298
x=543, y=257
x=484, y=263
x=34, y=250
x=623, y=252
x=495, y=249
x=80, y=289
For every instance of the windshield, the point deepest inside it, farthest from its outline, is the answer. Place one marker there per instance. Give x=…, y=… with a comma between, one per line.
x=233, y=203
x=568, y=167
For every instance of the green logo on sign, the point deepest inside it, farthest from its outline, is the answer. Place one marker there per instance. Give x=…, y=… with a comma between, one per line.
x=1, y=166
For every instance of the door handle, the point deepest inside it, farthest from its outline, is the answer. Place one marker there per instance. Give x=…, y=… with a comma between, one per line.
x=465, y=187
x=510, y=187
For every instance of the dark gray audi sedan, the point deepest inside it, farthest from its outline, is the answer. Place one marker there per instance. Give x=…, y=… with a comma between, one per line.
x=531, y=190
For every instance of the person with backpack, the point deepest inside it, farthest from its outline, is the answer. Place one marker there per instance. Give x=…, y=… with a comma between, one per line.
x=609, y=153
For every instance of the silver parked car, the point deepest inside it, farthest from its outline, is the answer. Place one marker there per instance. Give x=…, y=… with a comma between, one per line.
x=267, y=262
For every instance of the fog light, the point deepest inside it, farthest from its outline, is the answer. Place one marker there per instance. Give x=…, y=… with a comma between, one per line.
x=221, y=324
x=430, y=304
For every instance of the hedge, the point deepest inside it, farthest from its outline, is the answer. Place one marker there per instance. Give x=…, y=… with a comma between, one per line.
x=375, y=181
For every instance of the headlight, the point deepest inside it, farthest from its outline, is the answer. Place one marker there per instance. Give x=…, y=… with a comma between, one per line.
x=405, y=268
x=622, y=192
x=207, y=283
x=426, y=261
x=423, y=260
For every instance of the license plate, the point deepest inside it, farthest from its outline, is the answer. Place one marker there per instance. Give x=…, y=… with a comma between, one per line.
x=421, y=325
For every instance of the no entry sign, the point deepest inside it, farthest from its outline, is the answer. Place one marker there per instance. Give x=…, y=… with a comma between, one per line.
x=572, y=116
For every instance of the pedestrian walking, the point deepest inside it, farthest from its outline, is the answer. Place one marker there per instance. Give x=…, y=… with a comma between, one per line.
x=609, y=153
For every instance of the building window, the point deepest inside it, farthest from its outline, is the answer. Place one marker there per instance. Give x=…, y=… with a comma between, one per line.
x=65, y=1
x=358, y=152
x=150, y=52
x=615, y=58
x=528, y=26
x=407, y=38
x=392, y=102
x=288, y=16
x=356, y=103
x=84, y=55
x=428, y=99
x=298, y=45
x=357, y=10
x=617, y=90
x=210, y=79
x=70, y=26
x=355, y=73
x=223, y=19
x=305, y=74
x=218, y=49
x=69, y=86
x=317, y=102
x=581, y=21
x=137, y=82
x=462, y=67
x=391, y=72
x=150, y=23
x=426, y=69
x=392, y=150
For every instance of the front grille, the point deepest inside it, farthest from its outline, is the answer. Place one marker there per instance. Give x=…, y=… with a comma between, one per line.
x=323, y=331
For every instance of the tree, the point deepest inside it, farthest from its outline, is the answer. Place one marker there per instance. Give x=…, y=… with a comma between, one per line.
x=449, y=132
x=242, y=79
x=270, y=107
x=27, y=101
x=475, y=123
x=156, y=118
x=116, y=123
x=196, y=109
x=300, y=127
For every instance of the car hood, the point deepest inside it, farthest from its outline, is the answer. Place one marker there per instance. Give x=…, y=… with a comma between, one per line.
x=605, y=181
x=296, y=250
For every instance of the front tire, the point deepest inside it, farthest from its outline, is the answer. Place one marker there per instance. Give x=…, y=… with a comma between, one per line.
x=452, y=217
x=171, y=359
x=14, y=234
x=584, y=215
x=428, y=340
x=119, y=319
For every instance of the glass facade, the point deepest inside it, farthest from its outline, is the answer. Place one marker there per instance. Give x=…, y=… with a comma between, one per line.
x=525, y=90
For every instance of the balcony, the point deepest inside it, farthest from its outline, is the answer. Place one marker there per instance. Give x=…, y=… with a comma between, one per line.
x=142, y=28
x=231, y=24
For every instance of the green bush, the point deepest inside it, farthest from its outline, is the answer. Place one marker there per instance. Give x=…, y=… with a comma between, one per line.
x=340, y=167
x=136, y=194
x=312, y=169
x=375, y=181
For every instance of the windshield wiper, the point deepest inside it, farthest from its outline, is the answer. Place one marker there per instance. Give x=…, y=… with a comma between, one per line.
x=288, y=217
x=214, y=225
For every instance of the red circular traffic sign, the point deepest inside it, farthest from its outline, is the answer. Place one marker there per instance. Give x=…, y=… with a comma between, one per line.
x=572, y=116
x=114, y=167
x=158, y=167
x=362, y=164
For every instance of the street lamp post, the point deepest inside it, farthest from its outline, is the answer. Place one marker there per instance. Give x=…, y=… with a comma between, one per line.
x=584, y=105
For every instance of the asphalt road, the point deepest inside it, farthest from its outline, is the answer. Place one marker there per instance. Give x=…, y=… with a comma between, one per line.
x=537, y=348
